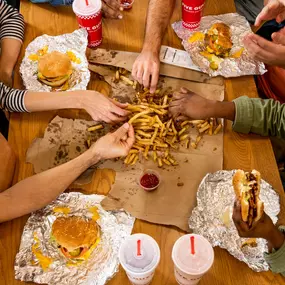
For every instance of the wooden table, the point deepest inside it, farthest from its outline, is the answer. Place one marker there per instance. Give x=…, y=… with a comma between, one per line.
x=240, y=151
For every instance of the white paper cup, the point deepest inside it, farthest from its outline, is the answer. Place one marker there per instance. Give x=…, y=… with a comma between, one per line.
x=143, y=272
x=189, y=268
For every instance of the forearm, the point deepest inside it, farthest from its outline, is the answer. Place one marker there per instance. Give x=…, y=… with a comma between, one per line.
x=37, y=191
x=158, y=17
x=45, y=101
x=10, y=49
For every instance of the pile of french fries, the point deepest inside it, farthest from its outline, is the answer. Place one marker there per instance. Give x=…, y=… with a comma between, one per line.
x=155, y=133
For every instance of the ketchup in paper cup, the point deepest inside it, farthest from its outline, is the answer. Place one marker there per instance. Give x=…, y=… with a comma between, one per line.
x=149, y=180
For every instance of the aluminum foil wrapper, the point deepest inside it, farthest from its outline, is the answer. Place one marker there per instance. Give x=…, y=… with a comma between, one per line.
x=97, y=269
x=75, y=42
x=229, y=67
x=215, y=198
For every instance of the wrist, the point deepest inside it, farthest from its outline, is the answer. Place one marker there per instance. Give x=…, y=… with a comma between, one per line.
x=74, y=100
x=150, y=48
x=275, y=239
x=93, y=156
x=225, y=110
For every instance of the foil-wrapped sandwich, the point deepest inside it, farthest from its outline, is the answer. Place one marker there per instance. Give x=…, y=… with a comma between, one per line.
x=217, y=46
x=72, y=241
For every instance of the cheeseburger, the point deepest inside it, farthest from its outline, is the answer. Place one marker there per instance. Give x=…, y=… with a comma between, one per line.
x=76, y=237
x=54, y=69
x=218, y=40
x=247, y=189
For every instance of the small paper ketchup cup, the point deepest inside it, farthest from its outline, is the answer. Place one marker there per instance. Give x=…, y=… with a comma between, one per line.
x=127, y=4
x=149, y=180
x=89, y=17
x=192, y=13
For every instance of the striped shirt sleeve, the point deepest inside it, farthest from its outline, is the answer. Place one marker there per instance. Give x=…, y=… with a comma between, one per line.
x=11, y=22
x=12, y=99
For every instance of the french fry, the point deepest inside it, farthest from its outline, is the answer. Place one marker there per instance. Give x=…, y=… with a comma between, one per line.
x=117, y=75
x=127, y=159
x=135, y=160
x=133, y=155
x=159, y=121
x=173, y=128
x=144, y=143
x=166, y=154
x=135, y=85
x=168, y=125
x=187, y=143
x=138, y=115
x=211, y=128
x=88, y=142
x=126, y=80
x=159, y=162
x=154, y=135
x=197, y=122
x=165, y=99
x=194, y=145
x=173, y=140
x=219, y=127
x=166, y=161
x=138, y=147
x=172, y=161
x=182, y=131
x=133, y=151
x=183, y=137
x=203, y=129
x=204, y=125
x=161, y=134
x=95, y=128
x=144, y=134
x=157, y=91
x=185, y=123
x=146, y=151
x=199, y=137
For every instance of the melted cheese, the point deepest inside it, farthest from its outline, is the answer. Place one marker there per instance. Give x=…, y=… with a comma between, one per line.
x=94, y=211
x=238, y=53
x=73, y=57
x=196, y=37
x=33, y=57
x=44, y=261
x=64, y=210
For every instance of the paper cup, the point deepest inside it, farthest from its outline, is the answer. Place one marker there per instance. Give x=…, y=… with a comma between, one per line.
x=192, y=13
x=189, y=268
x=89, y=17
x=139, y=269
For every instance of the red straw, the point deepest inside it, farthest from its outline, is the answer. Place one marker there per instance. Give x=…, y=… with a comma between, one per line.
x=86, y=2
x=139, y=247
x=192, y=244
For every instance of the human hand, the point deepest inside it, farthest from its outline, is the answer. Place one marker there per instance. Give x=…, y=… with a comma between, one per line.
x=146, y=69
x=102, y=108
x=274, y=9
x=188, y=104
x=114, y=144
x=271, y=53
x=112, y=8
x=263, y=228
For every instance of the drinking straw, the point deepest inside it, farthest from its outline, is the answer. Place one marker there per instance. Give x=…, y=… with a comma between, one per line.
x=86, y=2
x=192, y=244
x=139, y=247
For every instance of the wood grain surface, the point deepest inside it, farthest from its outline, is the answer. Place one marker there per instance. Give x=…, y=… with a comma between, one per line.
x=240, y=151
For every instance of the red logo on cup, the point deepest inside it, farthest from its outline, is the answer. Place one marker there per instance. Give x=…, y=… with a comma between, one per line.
x=192, y=13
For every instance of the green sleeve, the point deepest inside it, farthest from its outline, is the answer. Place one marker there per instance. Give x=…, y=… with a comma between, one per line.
x=276, y=259
x=263, y=117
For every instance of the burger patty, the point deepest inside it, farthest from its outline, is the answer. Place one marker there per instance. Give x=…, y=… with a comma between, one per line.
x=252, y=199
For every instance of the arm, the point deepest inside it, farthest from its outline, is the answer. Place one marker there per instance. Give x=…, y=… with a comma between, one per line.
x=7, y=165
x=264, y=228
x=99, y=107
x=250, y=115
x=11, y=35
x=146, y=66
x=37, y=191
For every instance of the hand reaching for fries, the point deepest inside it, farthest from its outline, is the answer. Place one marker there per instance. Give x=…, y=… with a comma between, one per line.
x=186, y=104
x=102, y=108
x=115, y=144
x=190, y=105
